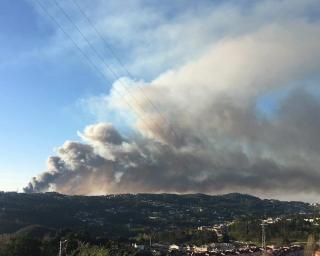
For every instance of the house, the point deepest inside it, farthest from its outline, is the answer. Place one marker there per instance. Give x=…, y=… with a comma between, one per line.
x=174, y=247
x=138, y=246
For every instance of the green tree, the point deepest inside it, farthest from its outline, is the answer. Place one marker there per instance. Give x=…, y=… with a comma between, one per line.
x=23, y=246
x=87, y=250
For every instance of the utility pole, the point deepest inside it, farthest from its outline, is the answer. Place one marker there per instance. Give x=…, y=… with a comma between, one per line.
x=60, y=248
x=263, y=238
x=61, y=243
x=310, y=246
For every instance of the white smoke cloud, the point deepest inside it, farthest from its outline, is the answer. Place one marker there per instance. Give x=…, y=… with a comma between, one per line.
x=209, y=136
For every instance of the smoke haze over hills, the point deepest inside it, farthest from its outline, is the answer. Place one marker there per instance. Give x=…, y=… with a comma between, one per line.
x=208, y=132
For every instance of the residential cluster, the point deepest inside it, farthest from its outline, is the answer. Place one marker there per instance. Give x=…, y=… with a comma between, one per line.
x=221, y=249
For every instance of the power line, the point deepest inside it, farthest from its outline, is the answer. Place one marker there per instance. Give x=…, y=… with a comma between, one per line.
x=96, y=67
x=115, y=75
x=88, y=59
x=154, y=106
x=114, y=55
x=102, y=38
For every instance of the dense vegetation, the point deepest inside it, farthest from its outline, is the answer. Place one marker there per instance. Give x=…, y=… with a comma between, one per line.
x=125, y=214
x=39, y=241
x=34, y=224
x=283, y=232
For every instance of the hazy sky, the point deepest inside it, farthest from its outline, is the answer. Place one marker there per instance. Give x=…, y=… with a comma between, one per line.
x=44, y=78
x=196, y=56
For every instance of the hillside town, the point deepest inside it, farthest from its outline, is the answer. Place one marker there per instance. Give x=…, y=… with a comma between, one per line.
x=156, y=224
x=221, y=250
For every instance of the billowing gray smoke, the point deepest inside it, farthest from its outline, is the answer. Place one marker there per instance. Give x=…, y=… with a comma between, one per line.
x=211, y=135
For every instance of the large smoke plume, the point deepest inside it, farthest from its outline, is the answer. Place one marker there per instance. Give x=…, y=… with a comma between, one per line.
x=210, y=136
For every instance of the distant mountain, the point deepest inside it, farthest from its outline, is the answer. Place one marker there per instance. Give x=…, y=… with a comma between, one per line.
x=122, y=214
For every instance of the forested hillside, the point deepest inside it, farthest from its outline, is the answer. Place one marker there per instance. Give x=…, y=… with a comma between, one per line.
x=124, y=214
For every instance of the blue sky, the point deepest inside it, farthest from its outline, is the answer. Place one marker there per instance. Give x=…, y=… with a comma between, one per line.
x=39, y=91
x=43, y=78
x=45, y=83
x=37, y=95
